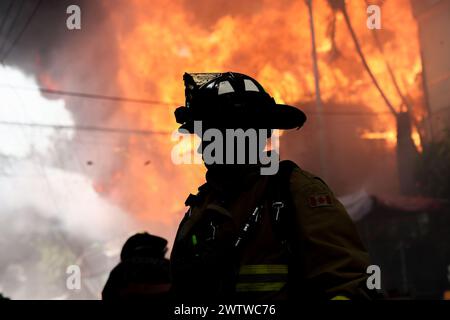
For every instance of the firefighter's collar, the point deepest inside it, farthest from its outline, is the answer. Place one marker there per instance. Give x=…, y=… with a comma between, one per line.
x=227, y=178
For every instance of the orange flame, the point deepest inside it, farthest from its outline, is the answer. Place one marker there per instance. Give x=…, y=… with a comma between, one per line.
x=269, y=40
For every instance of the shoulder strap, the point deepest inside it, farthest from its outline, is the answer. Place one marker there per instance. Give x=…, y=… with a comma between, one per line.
x=281, y=184
x=280, y=196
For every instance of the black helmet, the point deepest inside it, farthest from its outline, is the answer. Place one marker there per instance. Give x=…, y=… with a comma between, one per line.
x=143, y=244
x=233, y=100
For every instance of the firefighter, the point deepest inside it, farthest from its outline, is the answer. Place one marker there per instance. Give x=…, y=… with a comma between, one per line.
x=143, y=272
x=248, y=235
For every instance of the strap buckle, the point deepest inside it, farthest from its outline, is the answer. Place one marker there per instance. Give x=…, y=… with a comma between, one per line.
x=213, y=232
x=278, y=205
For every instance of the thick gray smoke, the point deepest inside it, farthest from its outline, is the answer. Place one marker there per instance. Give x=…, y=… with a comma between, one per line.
x=51, y=215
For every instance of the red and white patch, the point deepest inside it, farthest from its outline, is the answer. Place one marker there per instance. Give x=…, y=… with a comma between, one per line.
x=320, y=200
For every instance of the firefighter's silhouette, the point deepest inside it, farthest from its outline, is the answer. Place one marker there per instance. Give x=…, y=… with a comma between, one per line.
x=143, y=271
x=247, y=235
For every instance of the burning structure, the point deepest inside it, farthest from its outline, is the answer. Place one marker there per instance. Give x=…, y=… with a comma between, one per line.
x=432, y=17
x=135, y=52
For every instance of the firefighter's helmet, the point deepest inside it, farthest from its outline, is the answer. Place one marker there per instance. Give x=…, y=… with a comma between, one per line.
x=233, y=100
x=143, y=244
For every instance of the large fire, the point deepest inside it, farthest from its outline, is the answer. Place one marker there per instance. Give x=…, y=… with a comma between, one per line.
x=269, y=40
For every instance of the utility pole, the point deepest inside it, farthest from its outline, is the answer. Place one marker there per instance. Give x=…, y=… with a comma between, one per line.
x=322, y=146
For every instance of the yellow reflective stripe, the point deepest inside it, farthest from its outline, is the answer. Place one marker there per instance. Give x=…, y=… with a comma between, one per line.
x=340, y=298
x=264, y=269
x=260, y=286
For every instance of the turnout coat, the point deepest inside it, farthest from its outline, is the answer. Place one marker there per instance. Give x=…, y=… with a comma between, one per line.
x=249, y=236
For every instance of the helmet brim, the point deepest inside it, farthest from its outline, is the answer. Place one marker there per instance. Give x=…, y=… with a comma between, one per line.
x=278, y=116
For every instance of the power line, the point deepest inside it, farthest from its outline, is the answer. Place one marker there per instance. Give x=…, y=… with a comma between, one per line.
x=85, y=128
x=363, y=59
x=155, y=102
x=104, y=97
x=93, y=96
x=388, y=65
x=149, y=132
x=22, y=31
x=5, y=17
x=322, y=133
x=11, y=25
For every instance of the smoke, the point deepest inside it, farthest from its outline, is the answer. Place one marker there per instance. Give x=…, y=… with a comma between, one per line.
x=27, y=107
x=49, y=216
x=57, y=208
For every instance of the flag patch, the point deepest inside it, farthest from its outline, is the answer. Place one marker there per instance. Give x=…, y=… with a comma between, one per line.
x=320, y=200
